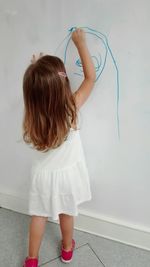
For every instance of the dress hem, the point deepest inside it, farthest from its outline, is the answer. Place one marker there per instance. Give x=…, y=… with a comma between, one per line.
x=56, y=218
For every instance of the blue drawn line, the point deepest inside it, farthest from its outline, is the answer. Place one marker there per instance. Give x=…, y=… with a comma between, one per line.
x=99, y=64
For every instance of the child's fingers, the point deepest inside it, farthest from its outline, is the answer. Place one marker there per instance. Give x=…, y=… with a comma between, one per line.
x=34, y=58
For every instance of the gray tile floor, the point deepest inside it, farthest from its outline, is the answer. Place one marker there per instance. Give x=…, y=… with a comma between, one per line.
x=91, y=250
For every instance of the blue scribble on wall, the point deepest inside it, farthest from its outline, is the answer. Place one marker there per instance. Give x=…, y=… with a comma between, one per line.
x=98, y=62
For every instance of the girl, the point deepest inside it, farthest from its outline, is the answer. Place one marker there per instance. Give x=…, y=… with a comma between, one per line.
x=59, y=175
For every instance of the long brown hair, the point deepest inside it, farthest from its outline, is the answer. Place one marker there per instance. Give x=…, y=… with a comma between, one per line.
x=49, y=104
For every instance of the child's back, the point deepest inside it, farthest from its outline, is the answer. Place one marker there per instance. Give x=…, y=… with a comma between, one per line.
x=60, y=179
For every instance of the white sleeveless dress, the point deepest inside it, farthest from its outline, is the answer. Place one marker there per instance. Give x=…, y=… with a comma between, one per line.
x=59, y=179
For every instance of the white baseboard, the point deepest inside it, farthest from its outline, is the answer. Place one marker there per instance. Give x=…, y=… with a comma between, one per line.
x=128, y=234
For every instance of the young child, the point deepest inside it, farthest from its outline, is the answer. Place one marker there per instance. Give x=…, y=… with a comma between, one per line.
x=59, y=176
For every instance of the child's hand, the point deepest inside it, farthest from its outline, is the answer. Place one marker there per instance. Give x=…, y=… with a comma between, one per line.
x=78, y=37
x=35, y=58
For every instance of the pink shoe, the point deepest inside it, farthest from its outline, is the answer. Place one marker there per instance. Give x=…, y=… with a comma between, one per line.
x=30, y=262
x=66, y=256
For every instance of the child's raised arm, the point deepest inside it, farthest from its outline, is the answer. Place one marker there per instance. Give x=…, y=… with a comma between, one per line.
x=81, y=95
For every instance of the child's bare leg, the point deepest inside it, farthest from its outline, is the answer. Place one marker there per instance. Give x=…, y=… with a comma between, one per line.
x=66, y=226
x=36, y=231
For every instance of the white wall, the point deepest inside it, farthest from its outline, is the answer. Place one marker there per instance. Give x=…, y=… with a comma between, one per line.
x=119, y=168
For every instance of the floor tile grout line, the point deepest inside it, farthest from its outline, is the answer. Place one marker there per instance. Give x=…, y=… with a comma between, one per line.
x=42, y=264
x=95, y=254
